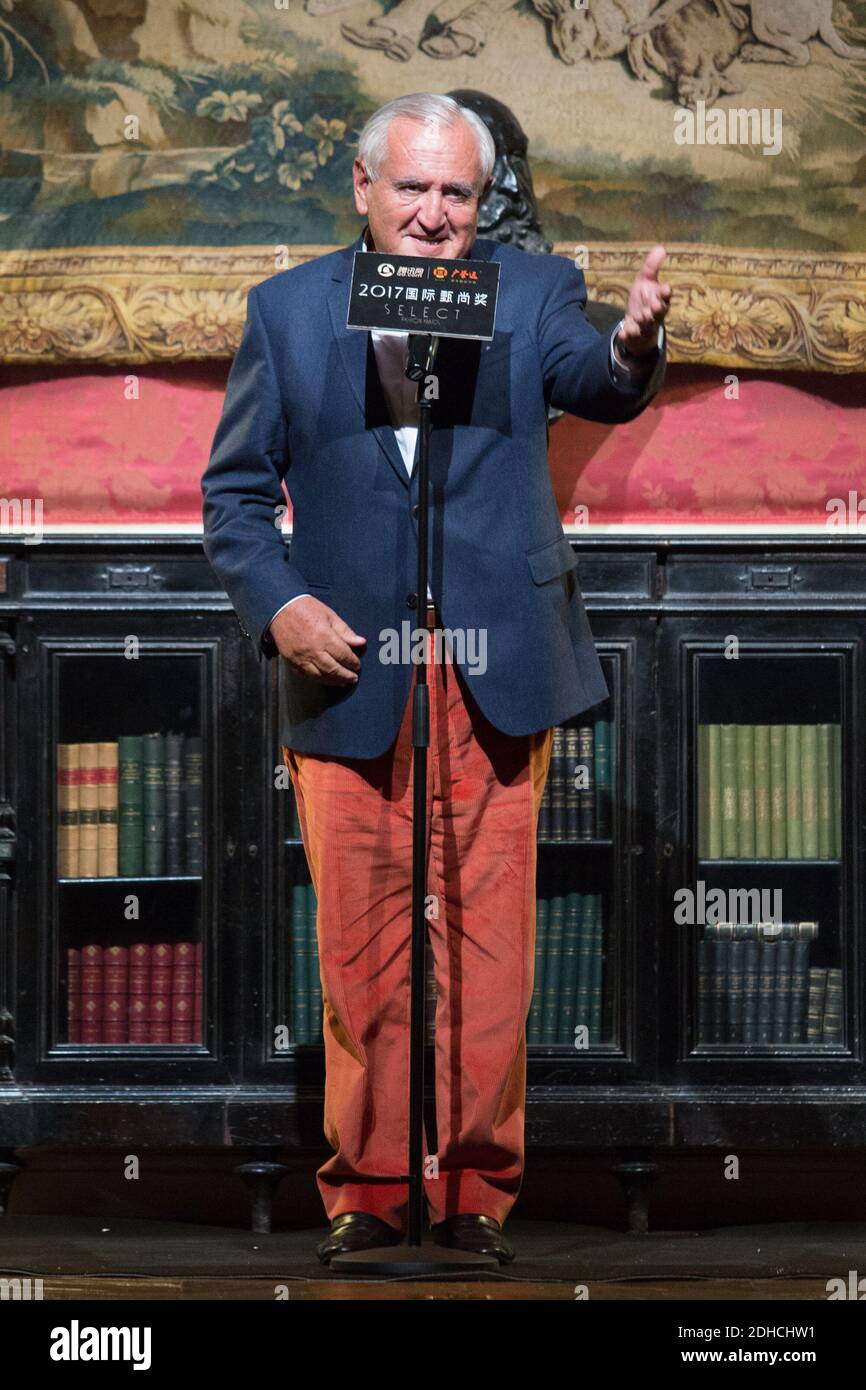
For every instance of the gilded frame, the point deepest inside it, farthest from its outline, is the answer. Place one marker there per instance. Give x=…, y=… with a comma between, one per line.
x=770, y=310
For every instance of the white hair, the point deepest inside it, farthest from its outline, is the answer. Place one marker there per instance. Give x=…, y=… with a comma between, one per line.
x=433, y=109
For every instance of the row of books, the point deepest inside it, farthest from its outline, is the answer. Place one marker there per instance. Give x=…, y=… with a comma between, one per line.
x=568, y=970
x=569, y=960
x=769, y=791
x=134, y=994
x=577, y=800
x=771, y=931
x=762, y=991
x=131, y=808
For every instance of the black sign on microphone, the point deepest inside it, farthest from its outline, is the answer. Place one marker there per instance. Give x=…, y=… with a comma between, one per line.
x=423, y=294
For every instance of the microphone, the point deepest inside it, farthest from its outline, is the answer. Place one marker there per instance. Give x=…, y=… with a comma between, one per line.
x=422, y=355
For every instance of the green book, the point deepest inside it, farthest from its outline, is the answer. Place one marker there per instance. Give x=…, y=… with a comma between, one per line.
x=596, y=976
x=130, y=796
x=703, y=791
x=193, y=802
x=568, y=982
x=751, y=967
x=580, y=808
x=558, y=779
x=746, y=790
x=809, y=789
x=763, y=834
x=799, y=992
x=730, y=808
x=585, y=943
x=536, y=1007
x=793, y=791
x=735, y=1001
x=603, y=780
x=778, y=792
x=825, y=772
x=714, y=791
x=153, y=802
x=718, y=990
x=574, y=774
x=767, y=957
x=704, y=969
x=174, y=821
x=782, y=997
x=553, y=967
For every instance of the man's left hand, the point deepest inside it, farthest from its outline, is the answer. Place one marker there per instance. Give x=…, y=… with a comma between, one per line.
x=648, y=304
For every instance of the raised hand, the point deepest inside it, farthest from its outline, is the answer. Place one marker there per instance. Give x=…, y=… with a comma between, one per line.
x=648, y=304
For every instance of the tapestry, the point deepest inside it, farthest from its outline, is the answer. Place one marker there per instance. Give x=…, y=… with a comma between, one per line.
x=161, y=156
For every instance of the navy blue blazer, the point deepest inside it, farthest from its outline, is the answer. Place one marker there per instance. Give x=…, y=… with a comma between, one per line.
x=304, y=402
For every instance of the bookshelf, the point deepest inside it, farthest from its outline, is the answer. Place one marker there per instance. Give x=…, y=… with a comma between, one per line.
x=730, y=660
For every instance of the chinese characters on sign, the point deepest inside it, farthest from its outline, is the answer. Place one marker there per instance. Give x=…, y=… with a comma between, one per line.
x=452, y=298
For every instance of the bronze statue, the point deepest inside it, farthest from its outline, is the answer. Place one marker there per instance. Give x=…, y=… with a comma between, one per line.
x=509, y=211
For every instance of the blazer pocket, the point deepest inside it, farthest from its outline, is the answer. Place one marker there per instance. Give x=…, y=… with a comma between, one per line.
x=549, y=561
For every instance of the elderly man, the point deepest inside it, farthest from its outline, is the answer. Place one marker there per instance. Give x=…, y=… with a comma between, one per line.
x=331, y=410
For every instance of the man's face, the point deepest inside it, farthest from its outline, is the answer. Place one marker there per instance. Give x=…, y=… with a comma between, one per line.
x=425, y=200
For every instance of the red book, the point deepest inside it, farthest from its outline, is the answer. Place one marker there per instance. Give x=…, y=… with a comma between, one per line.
x=139, y=969
x=198, y=991
x=92, y=980
x=91, y=970
x=116, y=997
x=115, y=1023
x=161, y=966
x=181, y=1018
x=160, y=1018
x=183, y=975
x=115, y=960
x=91, y=1018
x=139, y=1018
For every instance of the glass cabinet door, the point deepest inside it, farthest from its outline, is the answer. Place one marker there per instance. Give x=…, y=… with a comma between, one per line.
x=128, y=771
x=592, y=1013
x=577, y=936
x=763, y=898
x=124, y=728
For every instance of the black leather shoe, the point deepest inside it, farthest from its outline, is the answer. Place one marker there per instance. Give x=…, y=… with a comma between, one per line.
x=356, y=1230
x=483, y=1234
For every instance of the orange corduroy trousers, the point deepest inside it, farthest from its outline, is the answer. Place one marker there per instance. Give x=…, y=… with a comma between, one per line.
x=484, y=791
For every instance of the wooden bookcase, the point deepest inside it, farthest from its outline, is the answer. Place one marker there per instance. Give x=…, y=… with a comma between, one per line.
x=663, y=612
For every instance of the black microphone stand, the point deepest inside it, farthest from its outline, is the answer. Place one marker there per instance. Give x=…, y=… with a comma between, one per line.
x=409, y=1258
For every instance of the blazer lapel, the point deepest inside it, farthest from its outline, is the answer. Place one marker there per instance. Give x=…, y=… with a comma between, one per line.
x=359, y=360
x=359, y=363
